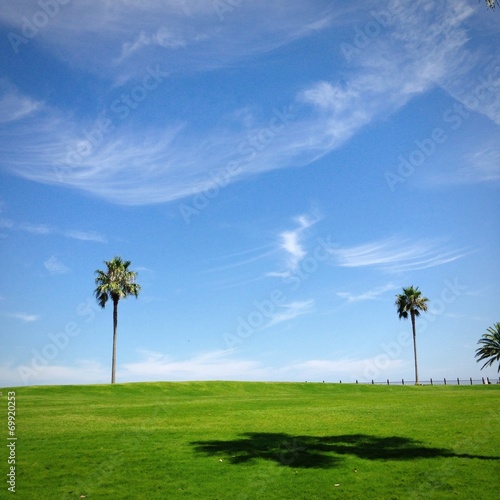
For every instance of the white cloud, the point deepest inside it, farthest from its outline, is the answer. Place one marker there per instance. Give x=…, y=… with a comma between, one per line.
x=224, y=365
x=85, y=235
x=214, y=365
x=287, y=312
x=372, y=294
x=42, y=229
x=163, y=37
x=55, y=266
x=418, y=49
x=45, y=229
x=25, y=317
x=349, y=369
x=80, y=372
x=484, y=165
x=291, y=243
x=396, y=255
x=480, y=164
x=137, y=31
x=14, y=105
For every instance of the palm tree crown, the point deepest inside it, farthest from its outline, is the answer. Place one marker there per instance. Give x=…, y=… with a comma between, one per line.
x=410, y=303
x=116, y=283
x=490, y=346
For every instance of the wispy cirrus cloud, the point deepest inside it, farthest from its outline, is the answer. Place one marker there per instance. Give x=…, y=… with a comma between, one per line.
x=290, y=242
x=14, y=105
x=483, y=165
x=289, y=311
x=136, y=32
x=397, y=254
x=372, y=294
x=85, y=235
x=28, y=318
x=55, y=266
x=237, y=268
x=162, y=37
x=418, y=49
x=43, y=229
x=213, y=365
x=480, y=164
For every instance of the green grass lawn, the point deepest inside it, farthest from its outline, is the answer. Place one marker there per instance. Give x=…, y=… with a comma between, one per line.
x=243, y=440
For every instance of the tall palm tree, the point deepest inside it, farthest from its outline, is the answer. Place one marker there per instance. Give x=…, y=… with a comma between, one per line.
x=411, y=302
x=490, y=346
x=116, y=283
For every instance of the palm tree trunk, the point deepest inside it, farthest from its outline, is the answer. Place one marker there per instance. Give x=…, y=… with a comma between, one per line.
x=414, y=346
x=115, y=333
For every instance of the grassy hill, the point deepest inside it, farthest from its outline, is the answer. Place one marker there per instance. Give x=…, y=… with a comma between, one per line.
x=244, y=440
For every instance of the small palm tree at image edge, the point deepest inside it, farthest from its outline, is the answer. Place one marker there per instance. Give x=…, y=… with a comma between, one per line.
x=411, y=302
x=490, y=347
x=116, y=283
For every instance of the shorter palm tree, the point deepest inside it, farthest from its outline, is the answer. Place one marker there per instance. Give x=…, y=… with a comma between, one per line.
x=411, y=302
x=490, y=346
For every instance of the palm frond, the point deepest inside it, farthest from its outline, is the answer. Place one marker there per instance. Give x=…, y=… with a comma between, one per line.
x=492, y=4
x=490, y=347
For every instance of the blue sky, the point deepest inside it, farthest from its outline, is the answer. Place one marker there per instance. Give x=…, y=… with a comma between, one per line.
x=276, y=172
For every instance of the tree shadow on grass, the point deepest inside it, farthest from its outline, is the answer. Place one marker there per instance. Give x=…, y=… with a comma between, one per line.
x=320, y=451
